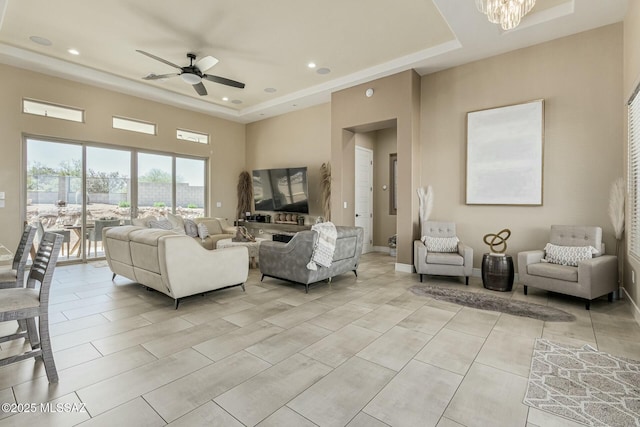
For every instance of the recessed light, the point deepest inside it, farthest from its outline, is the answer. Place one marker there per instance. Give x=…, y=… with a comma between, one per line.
x=73, y=51
x=40, y=40
x=323, y=70
x=236, y=101
x=311, y=65
x=270, y=89
x=225, y=98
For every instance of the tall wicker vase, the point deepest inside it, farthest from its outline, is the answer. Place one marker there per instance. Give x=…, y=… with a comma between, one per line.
x=245, y=194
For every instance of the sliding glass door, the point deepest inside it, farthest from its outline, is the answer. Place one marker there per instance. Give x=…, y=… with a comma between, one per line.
x=54, y=191
x=190, y=187
x=77, y=189
x=108, y=194
x=155, y=184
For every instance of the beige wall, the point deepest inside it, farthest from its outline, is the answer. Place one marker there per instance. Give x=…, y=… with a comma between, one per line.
x=226, y=151
x=631, y=72
x=580, y=79
x=395, y=98
x=302, y=138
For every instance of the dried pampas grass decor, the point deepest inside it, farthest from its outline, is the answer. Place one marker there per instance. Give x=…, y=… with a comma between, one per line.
x=425, y=195
x=616, y=207
x=616, y=213
x=325, y=190
x=245, y=194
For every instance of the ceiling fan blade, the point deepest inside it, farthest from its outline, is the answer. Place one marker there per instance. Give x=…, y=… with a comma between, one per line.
x=157, y=58
x=224, y=81
x=199, y=87
x=159, y=77
x=205, y=63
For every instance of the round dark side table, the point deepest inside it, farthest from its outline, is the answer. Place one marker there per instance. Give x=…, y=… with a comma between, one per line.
x=497, y=272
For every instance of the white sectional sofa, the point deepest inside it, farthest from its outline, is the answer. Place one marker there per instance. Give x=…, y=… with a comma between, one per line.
x=176, y=265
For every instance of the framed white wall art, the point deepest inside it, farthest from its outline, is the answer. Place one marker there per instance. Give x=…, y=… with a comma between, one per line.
x=504, y=155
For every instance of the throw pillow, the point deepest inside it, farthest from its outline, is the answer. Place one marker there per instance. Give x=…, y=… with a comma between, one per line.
x=190, y=228
x=143, y=222
x=568, y=255
x=441, y=244
x=203, y=232
x=213, y=225
x=162, y=224
x=177, y=223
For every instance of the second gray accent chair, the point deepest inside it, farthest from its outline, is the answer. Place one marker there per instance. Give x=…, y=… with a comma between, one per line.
x=288, y=261
x=592, y=278
x=458, y=263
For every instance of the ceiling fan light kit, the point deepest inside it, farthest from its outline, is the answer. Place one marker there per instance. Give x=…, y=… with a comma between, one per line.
x=192, y=79
x=193, y=74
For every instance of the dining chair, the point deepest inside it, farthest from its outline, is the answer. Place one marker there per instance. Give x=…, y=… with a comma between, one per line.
x=27, y=303
x=13, y=276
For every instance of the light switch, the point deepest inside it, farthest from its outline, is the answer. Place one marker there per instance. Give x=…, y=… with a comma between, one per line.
x=1, y=195
x=218, y=204
x=345, y=205
x=1, y=203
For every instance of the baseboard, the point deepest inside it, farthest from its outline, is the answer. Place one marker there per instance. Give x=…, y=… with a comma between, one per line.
x=636, y=310
x=404, y=268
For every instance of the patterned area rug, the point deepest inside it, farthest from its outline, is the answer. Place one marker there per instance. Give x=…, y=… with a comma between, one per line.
x=493, y=303
x=584, y=385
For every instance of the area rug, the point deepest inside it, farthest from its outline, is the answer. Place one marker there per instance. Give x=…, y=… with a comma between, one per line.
x=584, y=385
x=494, y=303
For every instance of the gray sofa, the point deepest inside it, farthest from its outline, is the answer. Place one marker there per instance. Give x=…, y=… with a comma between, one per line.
x=288, y=261
x=591, y=279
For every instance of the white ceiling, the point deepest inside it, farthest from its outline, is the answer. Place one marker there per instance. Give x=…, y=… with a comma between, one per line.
x=268, y=44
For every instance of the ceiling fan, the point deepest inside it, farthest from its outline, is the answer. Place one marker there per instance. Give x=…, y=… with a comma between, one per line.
x=193, y=73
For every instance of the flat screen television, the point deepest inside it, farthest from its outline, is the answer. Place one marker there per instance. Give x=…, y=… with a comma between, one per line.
x=281, y=190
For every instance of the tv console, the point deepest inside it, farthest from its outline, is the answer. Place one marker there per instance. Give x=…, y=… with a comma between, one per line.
x=272, y=228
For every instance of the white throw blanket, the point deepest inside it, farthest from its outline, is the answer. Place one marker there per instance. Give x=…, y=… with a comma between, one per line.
x=325, y=245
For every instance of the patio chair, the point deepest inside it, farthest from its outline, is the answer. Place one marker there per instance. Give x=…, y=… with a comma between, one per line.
x=95, y=234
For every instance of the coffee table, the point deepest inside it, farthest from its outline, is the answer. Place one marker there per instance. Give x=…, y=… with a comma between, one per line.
x=253, y=248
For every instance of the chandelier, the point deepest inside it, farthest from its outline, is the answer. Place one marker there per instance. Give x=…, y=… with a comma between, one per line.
x=507, y=13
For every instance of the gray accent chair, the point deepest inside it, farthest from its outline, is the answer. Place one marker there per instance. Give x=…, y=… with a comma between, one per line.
x=591, y=279
x=442, y=263
x=288, y=261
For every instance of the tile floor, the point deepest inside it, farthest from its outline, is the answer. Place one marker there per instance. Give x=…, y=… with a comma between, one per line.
x=358, y=352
